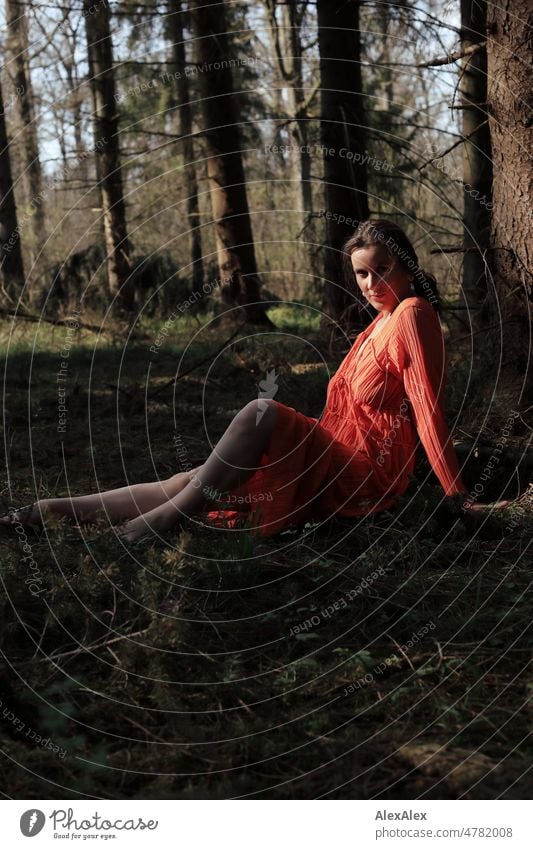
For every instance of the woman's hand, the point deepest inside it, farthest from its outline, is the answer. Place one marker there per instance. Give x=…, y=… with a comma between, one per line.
x=495, y=505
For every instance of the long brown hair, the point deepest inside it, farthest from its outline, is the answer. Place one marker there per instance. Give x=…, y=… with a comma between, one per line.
x=392, y=237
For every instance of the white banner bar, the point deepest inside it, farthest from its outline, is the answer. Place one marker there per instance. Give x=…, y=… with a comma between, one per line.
x=267, y=824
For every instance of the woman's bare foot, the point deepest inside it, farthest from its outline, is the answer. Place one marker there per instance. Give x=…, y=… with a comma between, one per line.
x=149, y=524
x=134, y=529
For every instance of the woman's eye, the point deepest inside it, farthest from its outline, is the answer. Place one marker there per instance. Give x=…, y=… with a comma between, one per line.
x=382, y=270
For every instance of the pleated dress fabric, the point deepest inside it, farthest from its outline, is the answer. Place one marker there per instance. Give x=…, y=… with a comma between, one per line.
x=358, y=457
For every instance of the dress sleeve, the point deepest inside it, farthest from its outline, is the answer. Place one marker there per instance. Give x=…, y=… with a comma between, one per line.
x=422, y=360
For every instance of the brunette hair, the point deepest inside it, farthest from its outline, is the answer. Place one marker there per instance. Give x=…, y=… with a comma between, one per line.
x=392, y=237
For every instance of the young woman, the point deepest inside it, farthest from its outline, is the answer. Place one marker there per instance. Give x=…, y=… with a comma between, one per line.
x=284, y=468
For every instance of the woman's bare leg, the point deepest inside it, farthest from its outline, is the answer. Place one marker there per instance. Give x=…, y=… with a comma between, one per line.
x=117, y=504
x=233, y=461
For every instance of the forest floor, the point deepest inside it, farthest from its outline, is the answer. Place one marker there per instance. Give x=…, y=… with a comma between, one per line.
x=379, y=658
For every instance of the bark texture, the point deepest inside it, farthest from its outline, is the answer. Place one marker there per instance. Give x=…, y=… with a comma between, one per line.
x=11, y=262
x=343, y=135
x=229, y=201
x=510, y=102
x=18, y=46
x=176, y=32
x=107, y=151
x=477, y=162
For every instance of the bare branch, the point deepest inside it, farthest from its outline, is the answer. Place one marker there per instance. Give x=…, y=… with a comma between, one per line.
x=438, y=61
x=454, y=145
x=37, y=319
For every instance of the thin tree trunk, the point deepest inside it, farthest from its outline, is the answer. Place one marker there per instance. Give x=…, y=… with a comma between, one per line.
x=288, y=49
x=386, y=71
x=18, y=44
x=510, y=94
x=75, y=103
x=107, y=150
x=235, y=246
x=11, y=262
x=175, y=22
x=292, y=70
x=342, y=127
x=477, y=164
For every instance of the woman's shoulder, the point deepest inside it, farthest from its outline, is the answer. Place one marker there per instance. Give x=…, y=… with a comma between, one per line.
x=415, y=312
x=416, y=323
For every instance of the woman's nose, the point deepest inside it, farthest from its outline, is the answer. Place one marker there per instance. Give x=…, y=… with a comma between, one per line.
x=374, y=281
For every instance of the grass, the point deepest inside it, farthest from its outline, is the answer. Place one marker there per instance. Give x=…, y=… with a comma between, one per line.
x=183, y=668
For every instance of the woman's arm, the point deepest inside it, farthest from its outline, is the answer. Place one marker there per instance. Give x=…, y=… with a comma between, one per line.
x=422, y=360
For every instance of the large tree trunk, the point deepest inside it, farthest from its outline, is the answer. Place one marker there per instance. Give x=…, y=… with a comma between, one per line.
x=11, y=263
x=343, y=137
x=235, y=246
x=107, y=151
x=510, y=95
x=477, y=163
x=175, y=23
x=18, y=44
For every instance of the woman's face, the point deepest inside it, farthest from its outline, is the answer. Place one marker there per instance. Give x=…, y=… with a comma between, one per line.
x=380, y=277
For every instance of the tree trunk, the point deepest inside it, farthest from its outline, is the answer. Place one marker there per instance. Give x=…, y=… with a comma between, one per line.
x=11, y=262
x=387, y=83
x=225, y=170
x=510, y=95
x=477, y=163
x=107, y=151
x=343, y=137
x=175, y=23
x=288, y=49
x=288, y=46
x=75, y=102
x=18, y=44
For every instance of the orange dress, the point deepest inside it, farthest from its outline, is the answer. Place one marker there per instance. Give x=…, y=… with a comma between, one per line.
x=357, y=457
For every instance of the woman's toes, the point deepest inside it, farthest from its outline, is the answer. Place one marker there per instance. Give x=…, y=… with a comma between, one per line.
x=133, y=530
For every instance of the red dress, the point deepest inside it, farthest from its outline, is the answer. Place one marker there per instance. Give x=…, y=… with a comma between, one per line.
x=357, y=458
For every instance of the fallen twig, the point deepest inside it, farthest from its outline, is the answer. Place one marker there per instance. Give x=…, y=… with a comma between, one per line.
x=92, y=648
x=61, y=322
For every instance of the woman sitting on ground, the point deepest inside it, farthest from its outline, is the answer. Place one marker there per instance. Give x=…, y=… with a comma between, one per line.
x=284, y=468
